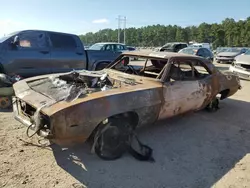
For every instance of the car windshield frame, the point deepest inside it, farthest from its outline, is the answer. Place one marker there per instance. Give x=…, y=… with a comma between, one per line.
x=96, y=47
x=236, y=50
x=143, y=66
x=6, y=37
x=169, y=46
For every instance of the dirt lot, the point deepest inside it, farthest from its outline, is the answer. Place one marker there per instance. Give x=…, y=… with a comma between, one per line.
x=197, y=150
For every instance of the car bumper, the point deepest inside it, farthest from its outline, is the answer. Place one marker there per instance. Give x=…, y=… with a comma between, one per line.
x=225, y=59
x=239, y=72
x=20, y=117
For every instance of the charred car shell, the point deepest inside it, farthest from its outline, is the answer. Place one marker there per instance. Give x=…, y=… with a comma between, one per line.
x=142, y=95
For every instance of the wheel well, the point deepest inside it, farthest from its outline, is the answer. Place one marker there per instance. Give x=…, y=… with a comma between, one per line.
x=100, y=64
x=131, y=116
x=224, y=94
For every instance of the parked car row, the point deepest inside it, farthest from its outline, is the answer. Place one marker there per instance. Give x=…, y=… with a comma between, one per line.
x=199, y=51
x=228, y=54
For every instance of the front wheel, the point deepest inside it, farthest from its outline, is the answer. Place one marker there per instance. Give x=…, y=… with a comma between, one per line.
x=111, y=140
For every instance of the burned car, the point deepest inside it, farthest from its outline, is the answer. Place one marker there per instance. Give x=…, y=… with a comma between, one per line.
x=108, y=105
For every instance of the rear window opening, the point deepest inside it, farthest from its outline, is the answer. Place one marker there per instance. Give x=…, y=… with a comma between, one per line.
x=187, y=71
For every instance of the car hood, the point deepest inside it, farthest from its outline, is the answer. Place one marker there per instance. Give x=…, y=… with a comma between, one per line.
x=230, y=54
x=68, y=89
x=243, y=59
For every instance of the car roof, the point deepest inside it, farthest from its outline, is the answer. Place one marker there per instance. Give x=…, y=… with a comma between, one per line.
x=103, y=43
x=39, y=30
x=175, y=43
x=161, y=55
x=194, y=47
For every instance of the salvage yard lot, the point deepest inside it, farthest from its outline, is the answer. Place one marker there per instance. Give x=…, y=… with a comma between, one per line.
x=196, y=150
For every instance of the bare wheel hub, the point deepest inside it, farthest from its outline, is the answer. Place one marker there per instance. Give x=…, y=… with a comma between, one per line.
x=5, y=102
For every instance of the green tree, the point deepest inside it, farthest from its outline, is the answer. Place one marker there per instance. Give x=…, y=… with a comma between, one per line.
x=227, y=33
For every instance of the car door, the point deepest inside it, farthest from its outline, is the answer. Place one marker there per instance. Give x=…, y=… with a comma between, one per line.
x=31, y=57
x=66, y=53
x=183, y=89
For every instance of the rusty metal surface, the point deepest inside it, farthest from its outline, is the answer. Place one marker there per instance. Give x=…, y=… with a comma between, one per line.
x=150, y=99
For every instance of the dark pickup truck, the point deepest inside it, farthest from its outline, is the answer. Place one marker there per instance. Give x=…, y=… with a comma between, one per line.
x=35, y=52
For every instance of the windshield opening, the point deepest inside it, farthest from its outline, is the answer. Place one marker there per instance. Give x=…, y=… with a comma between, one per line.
x=144, y=66
x=4, y=38
x=168, y=46
x=96, y=47
x=190, y=51
x=233, y=50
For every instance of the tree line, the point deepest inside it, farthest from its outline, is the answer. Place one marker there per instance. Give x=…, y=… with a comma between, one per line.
x=227, y=33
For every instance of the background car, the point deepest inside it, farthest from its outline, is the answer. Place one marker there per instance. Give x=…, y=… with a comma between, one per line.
x=109, y=46
x=241, y=65
x=202, y=52
x=229, y=55
x=131, y=48
x=201, y=45
x=173, y=47
x=220, y=49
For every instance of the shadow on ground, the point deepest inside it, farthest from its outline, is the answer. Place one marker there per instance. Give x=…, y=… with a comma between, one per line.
x=194, y=150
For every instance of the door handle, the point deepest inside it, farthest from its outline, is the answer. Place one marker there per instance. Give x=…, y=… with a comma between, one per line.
x=79, y=53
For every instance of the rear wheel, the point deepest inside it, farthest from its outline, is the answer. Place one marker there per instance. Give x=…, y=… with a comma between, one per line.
x=213, y=106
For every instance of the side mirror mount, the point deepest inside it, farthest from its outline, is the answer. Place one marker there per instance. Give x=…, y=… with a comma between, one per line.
x=16, y=42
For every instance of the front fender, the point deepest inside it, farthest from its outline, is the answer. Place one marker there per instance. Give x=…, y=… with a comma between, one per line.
x=80, y=120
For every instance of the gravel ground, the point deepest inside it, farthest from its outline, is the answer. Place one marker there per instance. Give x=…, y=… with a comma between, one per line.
x=196, y=150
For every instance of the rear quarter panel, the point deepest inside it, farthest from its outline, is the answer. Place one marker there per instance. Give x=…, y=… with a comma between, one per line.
x=229, y=81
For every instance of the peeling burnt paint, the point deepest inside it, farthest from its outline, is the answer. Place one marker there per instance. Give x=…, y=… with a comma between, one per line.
x=150, y=99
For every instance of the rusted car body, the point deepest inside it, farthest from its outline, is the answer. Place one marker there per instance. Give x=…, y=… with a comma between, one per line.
x=159, y=88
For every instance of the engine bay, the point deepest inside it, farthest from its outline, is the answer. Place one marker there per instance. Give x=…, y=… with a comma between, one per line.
x=73, y=85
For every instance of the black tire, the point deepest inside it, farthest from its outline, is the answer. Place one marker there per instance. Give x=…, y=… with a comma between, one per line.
x=112, y=138
x=101, y=66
